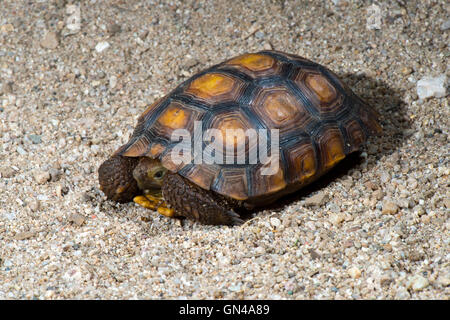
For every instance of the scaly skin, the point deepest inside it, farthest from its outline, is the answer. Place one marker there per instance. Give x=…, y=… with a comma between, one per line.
x=115, y=176
x=195, y=203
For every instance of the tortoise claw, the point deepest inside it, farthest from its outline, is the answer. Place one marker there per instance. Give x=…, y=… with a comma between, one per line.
x=235, y=218
x=168, y=212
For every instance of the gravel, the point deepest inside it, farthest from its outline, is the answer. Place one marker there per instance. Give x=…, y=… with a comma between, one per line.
x=376, y=227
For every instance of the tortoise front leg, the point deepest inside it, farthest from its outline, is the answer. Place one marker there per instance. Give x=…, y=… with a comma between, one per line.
x=191, y=201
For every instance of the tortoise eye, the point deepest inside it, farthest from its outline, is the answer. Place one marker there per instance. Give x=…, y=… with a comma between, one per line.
x=158, y=174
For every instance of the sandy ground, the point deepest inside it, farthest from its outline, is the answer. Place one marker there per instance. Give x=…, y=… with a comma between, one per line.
x=376, y=228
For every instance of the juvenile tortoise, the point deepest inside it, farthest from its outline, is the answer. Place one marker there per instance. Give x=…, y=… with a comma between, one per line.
x=320, y=121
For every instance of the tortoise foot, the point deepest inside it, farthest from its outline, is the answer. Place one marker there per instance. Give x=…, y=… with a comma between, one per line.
x=154, y=203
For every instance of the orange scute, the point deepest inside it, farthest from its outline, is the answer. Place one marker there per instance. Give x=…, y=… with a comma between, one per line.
x=253, y=61
x=334, y=152
x=277, y=181
x=174, y=118
x=235, y=186
x=321, y=87
x=280, y=107
x=307, y=165
x=233, y=132
x=203, y=175
x=211, y=85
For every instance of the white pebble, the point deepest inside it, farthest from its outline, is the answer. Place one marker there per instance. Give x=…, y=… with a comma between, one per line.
x=74, y=20
x=432, y=87
x=275, y=222
x=112, y=82
x=101, y=46
x=417, y=283
x=21, y=151
x=260, y=250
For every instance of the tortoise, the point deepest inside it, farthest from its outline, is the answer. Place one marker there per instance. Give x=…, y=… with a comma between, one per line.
x=318, y=120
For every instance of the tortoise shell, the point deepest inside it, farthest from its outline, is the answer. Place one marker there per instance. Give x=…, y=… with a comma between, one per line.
x=320, y=121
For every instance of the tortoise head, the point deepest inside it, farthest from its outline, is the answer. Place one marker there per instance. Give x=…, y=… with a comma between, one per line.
x=122, y=178
x=149, y=175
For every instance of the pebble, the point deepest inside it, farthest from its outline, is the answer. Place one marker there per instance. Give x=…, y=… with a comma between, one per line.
x=385, y=177
x=77, y=218
x=407, y=71
x=445, y=25
x=402, y=294
x=417, y=283
x=95, y=149
x=5, y=28
x=50, y=40
x=444, y=279
x=55, y=174
x=259, y=35
x=389, y=207
x=317, y=200
x=412, y=183
x=21, y=151
x=74, y=19
x=112, y=82
x=354, y=272
x=275, y=222
x=373, y=17
x=337, y=218
x=267, y=46
x=35, y=138
x=235, y=288
x=58, y=190
x=260, y=250
x=34, y=205
x=24, y=235
x=8, y=88
x=7, y=172
x=334, y=208
x=101, y=46
x=41, y=177
x=419, y=210
x=428, y=87
x=378, y=194
x=404, y=203
x=114, y=28
x=314, y=254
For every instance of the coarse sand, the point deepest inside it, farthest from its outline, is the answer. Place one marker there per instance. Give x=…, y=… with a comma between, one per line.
x=74, y=77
